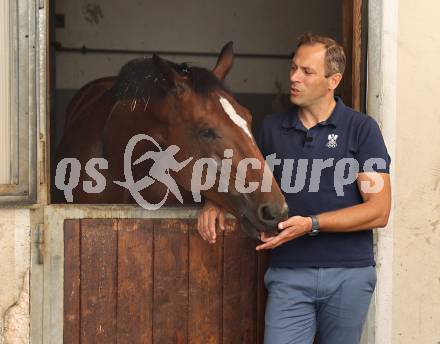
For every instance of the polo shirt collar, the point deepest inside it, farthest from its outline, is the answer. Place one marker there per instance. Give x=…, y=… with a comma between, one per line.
x=291, y=119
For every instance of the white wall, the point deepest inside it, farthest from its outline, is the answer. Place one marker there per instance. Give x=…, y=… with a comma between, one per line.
x=416, y=263
x=255, y=26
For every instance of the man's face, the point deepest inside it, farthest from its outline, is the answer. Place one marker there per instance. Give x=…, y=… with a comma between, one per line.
x=308, y=82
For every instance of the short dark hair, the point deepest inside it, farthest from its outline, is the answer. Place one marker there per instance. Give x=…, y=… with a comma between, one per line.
x=334, y=56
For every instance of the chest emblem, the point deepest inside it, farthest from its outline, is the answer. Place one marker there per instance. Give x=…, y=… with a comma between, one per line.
x=332, y=141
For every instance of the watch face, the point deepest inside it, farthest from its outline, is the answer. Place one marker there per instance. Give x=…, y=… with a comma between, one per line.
x=314, y=232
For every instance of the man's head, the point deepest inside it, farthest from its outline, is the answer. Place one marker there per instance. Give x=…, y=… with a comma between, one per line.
x=316, y=70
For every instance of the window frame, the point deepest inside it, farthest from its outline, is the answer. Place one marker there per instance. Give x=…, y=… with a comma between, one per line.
x=22, y=188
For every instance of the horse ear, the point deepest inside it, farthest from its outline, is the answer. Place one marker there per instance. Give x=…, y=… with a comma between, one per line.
x=224, y=61
x=174, y=79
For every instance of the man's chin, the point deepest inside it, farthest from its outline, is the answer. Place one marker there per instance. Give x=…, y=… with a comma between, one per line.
x=295, y=100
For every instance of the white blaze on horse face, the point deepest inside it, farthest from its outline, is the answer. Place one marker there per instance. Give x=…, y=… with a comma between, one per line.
x=234, y=116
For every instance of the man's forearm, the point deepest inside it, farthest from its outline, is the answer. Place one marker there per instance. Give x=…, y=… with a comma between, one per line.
x=359, y=217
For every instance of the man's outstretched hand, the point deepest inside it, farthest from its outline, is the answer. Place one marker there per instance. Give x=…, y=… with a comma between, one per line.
x=292, y=228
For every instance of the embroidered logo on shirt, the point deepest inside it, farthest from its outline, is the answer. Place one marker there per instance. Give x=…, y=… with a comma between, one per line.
x=332, y=141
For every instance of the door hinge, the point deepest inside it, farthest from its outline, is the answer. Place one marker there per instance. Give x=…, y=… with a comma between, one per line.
x=39, y=229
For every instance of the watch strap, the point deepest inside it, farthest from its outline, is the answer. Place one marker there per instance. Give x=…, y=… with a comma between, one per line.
x=315, y=226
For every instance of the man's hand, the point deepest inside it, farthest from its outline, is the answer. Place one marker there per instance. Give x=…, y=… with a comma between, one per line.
x=292, y=228
x=206, y=221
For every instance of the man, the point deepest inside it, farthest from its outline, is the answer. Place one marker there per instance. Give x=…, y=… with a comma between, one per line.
x=321, y=274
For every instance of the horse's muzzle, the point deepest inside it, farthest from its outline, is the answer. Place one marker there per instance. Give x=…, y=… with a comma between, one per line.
x=271, y=215
x=266, y=220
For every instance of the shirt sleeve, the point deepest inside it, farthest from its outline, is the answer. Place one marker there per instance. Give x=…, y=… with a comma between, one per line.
x=372, y=153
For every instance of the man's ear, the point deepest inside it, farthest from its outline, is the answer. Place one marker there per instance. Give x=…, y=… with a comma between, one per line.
x=224, y=61
x=175, y=80
x=334, y=80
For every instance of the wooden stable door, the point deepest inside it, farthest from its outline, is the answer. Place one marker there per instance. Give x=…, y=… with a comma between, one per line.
x=354, y=40
x=156, y=281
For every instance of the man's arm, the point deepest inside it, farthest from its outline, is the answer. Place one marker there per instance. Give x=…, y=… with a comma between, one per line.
x=207, y=219
x=372, y=213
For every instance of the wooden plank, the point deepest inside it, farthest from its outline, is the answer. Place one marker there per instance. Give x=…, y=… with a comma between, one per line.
x=72, y=265
x=205, y=288
x=98, y=280
x=170, y=323
x=239, y=287
x=357, y=55
x=352, y=38
x=135, y=286
x=363, y=44
x=347, y=43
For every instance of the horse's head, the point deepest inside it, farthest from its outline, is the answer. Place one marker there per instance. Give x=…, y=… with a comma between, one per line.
x=201, y=117
x=205, y=121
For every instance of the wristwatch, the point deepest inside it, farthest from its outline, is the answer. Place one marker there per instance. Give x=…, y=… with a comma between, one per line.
x=315, y=226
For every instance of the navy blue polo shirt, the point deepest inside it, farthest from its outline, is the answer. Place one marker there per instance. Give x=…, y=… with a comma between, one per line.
x=306, y=175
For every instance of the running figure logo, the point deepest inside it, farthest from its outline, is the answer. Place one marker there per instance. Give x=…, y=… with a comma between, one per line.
x=164, y=161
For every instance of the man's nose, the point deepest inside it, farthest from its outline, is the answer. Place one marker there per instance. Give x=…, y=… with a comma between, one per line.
x=294, y=76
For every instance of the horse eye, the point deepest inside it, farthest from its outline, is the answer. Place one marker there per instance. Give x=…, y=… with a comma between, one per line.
x=207, y=134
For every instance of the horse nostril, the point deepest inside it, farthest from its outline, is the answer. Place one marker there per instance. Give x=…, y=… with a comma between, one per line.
x=266, y=213
x=272, y=214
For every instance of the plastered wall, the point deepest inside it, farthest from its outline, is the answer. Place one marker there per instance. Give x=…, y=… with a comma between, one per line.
x=14, y=275
x=416, y=263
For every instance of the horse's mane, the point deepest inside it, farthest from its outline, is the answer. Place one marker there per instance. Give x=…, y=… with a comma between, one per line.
x=141, y=79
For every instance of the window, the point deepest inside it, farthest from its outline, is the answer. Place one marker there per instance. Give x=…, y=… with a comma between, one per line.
x=18, y=115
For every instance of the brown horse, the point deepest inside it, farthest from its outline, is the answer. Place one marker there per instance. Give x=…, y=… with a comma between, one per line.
x=175, y=104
